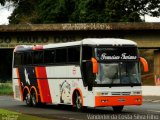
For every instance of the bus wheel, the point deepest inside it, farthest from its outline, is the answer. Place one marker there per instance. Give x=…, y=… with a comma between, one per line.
x=117, y=108
x=78, y=102
x=33, y=99
x=28, y=100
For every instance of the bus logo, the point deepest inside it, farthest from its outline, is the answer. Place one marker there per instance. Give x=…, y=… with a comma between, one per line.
x=74, y=71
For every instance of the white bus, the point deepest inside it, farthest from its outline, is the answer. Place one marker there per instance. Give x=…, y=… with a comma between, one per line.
x=88, y=73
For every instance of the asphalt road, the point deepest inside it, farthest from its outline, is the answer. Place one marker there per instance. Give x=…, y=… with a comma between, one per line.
x=150, y=110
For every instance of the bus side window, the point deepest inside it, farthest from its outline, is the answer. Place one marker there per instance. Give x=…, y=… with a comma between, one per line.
x=38, y=57
x=73, y=54
x=61, y=55
x=27, y=58
x=17, y=59
x=49, y=56
x=86, y=53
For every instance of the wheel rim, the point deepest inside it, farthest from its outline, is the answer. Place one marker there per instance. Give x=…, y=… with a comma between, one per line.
x=34, y=99
x=28, y=99
x=78, y=101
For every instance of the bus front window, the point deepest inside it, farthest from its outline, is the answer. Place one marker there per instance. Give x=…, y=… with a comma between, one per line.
x=129, y=73
x=118, y=73
x=108, y=74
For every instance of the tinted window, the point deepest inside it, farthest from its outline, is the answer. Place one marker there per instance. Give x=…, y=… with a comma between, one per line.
x=73, y=54
x=87, y=53
x=61, y=55
x=38, y=57
x=49, y=56
x=18, y=59
x=27, y=58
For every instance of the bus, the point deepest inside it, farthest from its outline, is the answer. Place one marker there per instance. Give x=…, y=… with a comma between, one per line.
x=93, y=72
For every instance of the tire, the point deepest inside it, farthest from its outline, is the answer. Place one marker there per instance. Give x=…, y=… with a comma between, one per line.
x=78, y=102
x=33, y=99
x=117, y=108
x=28, y=100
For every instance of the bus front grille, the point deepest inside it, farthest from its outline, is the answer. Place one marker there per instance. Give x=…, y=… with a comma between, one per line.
x=121, y=93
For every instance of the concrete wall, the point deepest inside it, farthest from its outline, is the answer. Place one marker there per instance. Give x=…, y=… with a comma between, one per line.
x=151, y=90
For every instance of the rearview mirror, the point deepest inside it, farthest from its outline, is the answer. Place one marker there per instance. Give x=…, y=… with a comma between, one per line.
x=95, y=65
x=145, y=64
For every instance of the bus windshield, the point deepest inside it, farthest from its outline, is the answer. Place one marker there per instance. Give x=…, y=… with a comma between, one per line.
x=117, y=66
x=125, y=73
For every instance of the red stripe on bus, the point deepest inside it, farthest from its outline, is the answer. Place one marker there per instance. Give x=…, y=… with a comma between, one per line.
x=37, y=47
x=43, y=85
x=117, y=100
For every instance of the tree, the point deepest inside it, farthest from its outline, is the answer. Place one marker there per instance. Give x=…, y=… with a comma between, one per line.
x=25, y=11
x=82, y=11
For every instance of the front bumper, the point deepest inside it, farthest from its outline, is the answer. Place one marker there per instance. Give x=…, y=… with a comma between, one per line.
x=101, y=101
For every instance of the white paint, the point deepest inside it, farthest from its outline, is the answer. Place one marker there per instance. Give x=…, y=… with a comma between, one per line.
x=26, y=77
x=108, y=41
x=93, y=41
x=151, y=90
x=70, y=71
x=54, y=90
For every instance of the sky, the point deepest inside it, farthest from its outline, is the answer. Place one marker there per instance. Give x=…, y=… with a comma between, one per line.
x=5, y=12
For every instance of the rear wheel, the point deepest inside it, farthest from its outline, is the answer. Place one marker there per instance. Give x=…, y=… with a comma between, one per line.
x=28, y=100
x=33, y=98
x=117, y=108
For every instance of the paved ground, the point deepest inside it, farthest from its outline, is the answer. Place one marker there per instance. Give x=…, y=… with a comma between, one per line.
x=151, y=99
x=149, y=110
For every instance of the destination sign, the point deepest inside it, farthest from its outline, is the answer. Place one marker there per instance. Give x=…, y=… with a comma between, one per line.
x=120, y=53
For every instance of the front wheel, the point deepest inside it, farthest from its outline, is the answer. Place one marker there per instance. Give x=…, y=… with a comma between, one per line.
x=78, y=102
x=117, y=108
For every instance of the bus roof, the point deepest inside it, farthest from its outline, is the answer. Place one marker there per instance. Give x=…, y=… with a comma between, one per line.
x=94, y=41
x=87, y=41
x=108, y=41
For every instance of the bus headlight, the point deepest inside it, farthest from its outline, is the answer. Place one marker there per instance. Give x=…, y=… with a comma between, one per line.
x=137, y=93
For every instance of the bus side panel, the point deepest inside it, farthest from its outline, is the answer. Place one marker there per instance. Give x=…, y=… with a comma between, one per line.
x=89, y=99
x=62, y=81
x=27, y=77
x=16, y=85
x=54, y=90
x=23, y=77
x=43, y=84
